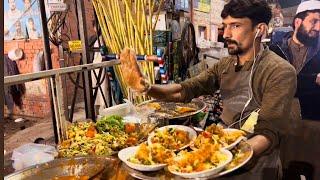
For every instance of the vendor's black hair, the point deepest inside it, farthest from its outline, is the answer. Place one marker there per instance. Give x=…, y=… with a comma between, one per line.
x=258, y=11
x=303, y=15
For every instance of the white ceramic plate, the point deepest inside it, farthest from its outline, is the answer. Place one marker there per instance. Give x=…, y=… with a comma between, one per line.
x=230, y=146
x=126, y=153
x=198, y=129
x=208, y=172
x=192, y=134
x=244, y=147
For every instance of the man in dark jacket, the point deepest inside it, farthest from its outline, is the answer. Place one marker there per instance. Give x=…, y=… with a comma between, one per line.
x=302, y=49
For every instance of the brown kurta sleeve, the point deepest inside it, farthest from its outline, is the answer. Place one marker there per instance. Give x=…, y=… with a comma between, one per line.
x=205, y=83
x=277, y=97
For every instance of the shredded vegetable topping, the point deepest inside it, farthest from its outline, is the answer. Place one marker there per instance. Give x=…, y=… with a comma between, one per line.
x=103, y=138
x=171, y=138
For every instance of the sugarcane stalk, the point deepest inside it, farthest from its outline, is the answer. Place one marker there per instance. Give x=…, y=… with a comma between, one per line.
x=125, y=24
x=132, y=21
x=104, y=28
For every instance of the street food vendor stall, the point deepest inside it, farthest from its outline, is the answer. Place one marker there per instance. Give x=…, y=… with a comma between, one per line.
x=257, y=88
x=257, y=97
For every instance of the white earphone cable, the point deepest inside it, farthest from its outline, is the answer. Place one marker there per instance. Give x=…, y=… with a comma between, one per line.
x=250, y=92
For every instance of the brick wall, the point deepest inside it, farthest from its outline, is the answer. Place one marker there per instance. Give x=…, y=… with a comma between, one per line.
x=71, y=21
x=72, y=30
x=36, y=102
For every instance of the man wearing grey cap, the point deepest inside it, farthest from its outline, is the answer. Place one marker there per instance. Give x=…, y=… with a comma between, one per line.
x=302, y=50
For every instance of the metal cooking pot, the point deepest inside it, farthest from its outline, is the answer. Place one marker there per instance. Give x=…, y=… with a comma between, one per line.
x=91, y=166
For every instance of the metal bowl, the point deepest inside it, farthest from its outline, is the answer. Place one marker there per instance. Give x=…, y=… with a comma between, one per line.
x=90, y=166
x=170, y=106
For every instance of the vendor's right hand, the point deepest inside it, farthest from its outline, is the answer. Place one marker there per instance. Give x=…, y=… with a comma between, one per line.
x=318, y=79
x=131, y=71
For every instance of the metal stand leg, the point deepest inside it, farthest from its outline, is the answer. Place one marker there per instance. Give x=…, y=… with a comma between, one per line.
x=85, y=59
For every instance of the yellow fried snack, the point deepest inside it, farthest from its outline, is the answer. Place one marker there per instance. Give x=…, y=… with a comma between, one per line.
x=154, y=105
x=182, y=110
x=230, y=137
x=207, y=157
x=215, y=129
x=131, y=71
x=215, y=133
x=160, y=154
x=143, y=153
x=150, y=155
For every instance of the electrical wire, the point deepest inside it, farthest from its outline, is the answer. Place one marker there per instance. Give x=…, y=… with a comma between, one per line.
x=245, y=117
x=100, y=80
x=250, y=92
x=60, y=33
x=56, y=22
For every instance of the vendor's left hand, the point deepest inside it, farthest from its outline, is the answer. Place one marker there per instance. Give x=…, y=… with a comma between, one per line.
x=318, y=79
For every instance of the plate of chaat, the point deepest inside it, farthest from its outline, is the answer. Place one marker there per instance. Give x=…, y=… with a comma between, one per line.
x=146, y=157
x=203, y=162
x=215, y=134
x=173, y=137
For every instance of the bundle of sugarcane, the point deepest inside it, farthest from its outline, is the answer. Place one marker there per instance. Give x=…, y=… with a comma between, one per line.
x=128, y=23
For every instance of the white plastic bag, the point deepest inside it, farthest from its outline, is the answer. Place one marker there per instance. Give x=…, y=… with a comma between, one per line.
x=32, y=154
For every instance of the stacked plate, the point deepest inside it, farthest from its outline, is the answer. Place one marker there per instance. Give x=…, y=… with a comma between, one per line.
x=226, y=166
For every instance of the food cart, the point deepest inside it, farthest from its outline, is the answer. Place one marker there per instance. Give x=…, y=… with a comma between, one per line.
x=108, y=148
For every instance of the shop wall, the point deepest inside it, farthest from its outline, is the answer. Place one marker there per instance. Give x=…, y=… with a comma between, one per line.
x=72, y=31
x=215, y=17
x=216, y=9
x=22, y=29
x=210, y=19
x=72, y=27
x=201, y=19
x=36, y=102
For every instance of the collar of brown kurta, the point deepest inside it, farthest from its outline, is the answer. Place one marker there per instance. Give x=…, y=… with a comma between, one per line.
x=248, y=64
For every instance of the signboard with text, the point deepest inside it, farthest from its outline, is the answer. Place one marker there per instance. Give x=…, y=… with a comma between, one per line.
x=57, y=7
x=75, y=45
x=202, y=5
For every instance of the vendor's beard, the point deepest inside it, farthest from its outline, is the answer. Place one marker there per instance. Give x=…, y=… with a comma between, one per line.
x=234, y=51
x=304, y=38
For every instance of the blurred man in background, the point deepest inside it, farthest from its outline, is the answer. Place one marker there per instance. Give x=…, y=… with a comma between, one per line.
x=302, y=50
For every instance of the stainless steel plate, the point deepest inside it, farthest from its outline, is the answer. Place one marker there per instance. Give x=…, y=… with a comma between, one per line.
x=79, y=166
x=167, y=107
